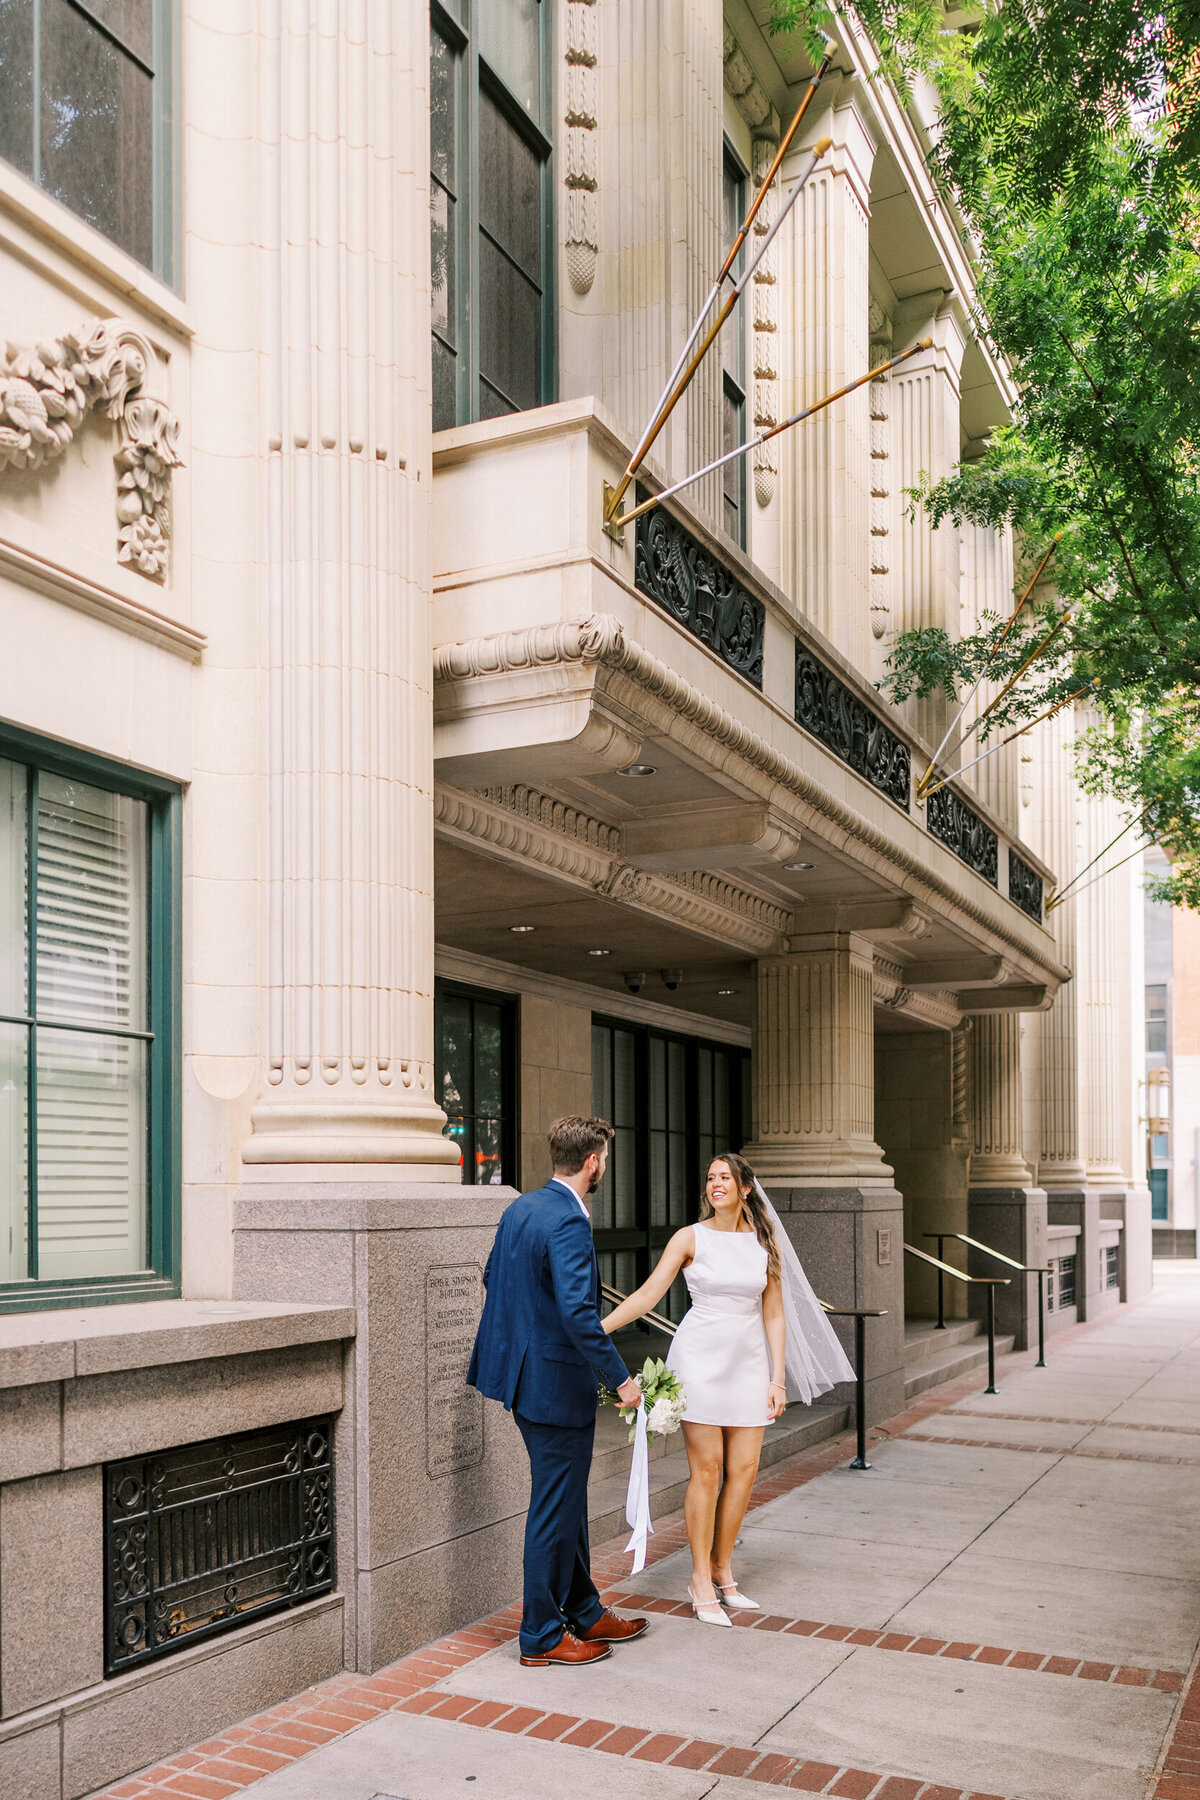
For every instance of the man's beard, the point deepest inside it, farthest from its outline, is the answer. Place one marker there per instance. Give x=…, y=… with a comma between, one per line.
x=594, y=1180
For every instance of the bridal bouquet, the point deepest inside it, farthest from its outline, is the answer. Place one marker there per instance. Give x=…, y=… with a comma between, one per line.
x=664, y=1398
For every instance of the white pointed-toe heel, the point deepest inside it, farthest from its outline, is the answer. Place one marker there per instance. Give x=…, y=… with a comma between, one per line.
x=734, y=1601
x=709, y=1612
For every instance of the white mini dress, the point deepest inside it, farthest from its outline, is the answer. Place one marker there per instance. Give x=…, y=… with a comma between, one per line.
x=720, y=1351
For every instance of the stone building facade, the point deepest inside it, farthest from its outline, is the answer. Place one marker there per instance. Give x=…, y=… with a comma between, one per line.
x=366, y=804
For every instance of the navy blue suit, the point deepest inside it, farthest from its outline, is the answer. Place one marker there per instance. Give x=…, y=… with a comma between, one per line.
x=542, y=1352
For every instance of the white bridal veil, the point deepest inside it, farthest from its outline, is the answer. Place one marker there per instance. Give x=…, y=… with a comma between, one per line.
x=815, y=1358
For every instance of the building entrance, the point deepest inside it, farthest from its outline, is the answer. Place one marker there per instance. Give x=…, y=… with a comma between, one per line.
x=675, y=1102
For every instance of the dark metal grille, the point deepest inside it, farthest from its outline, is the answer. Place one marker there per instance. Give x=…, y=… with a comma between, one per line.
x=204, y=1538
x=838, y=719
x=700, y=594
x=1024, y=887
x=1112, y=1273
x=952, y=822
x=1066, y=1282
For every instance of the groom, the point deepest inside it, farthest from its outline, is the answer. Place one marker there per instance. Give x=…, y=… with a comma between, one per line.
x=542, y=1351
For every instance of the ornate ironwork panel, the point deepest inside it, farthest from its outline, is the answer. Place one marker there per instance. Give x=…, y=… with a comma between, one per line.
x=672, y=568
x=838, y=719
x=204, y=1538
x=952, y=821
x=1024, y=887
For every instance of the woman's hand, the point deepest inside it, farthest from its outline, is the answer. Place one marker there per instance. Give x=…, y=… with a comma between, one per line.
x=776, y=1400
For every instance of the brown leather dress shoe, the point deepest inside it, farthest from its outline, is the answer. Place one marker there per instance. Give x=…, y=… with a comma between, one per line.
x=570, y=1650
x=609, y=1629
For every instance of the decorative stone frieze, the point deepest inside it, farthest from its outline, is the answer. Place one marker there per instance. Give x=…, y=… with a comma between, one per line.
x=838, y=719
x=887, y=989
x=954, y=824
x=688, y=581
x=581, y=149
x=47, y=391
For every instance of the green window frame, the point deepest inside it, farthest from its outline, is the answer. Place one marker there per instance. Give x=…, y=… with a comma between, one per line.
x=733, y=358
x=476, y=1034
x=72, y=896
x=491, y=208
x=675, y=1103
x=86, y=112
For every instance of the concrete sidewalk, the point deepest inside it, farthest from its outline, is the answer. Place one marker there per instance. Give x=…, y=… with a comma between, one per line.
x=1006, y=1607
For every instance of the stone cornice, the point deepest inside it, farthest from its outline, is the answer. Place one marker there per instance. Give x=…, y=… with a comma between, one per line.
x=888, y=989
x=524, y=826
x=636, y=683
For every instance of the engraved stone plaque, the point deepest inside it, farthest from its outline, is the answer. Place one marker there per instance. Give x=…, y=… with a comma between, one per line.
x=453, y=1411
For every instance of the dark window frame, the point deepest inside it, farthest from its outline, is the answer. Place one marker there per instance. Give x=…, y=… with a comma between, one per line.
x=163, y=69
x=473, y=76
x=164, y=977
x=510, y=1135
x=644, y=1239
x=734, y=379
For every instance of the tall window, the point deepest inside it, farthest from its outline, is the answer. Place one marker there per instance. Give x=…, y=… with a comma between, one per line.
x=88, y=1089
x=85, y=112
x=733, y=358
x=490, y=200
x=675, y=1104
x=476, y=1037
x=1156, y=1018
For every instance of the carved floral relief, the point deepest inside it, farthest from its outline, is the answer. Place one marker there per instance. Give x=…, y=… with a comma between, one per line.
x=47, y=391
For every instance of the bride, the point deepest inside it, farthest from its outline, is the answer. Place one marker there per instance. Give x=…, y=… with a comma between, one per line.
x=750, y=1300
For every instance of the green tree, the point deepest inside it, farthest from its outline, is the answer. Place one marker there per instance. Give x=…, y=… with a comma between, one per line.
x=1070, y=135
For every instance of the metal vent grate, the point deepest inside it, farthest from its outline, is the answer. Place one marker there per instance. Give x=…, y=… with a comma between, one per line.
x=207, y=1537
x=1112, y=1270
x=1066, y=1281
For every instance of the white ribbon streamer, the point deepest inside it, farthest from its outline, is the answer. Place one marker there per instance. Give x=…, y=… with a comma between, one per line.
x=637, y=1497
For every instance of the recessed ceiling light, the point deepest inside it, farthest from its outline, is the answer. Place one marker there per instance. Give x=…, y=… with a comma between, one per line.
x=638, y=769
x=522, y=928
x=725, y=992
x=799, y=865
x=599, y=952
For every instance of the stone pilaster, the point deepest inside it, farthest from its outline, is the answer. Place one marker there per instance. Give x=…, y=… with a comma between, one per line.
x=826, y=461
x=1061, y=1167
x=1004, y=1208
x=814, y=1148
x=348, y=731
x=926, y=395
x=986, y=586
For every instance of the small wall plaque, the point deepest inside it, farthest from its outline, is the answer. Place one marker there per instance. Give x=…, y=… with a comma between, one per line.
x=883, y=1241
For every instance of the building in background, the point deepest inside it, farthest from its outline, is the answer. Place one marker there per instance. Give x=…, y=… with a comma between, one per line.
x=365, y=804
x=1171, y=1105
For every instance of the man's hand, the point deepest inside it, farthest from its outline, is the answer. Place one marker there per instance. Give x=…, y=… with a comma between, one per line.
x=629, y=1393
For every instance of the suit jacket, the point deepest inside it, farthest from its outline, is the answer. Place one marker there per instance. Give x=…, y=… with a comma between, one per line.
x=540, y=1348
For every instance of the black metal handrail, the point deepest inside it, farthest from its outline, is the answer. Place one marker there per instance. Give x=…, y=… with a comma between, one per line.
x=1041, y=1270
x=860, y=1315
x=990, y=1282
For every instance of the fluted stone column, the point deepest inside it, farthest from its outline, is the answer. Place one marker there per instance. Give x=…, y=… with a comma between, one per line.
x=986, y=586
x=351, y=1193
x=814, y=1149
x=1004, y=1208
x=826, y=461
x=926, y=440
x=1061, y=1169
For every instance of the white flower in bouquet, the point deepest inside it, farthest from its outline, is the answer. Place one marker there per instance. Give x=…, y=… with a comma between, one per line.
x=664, y=1399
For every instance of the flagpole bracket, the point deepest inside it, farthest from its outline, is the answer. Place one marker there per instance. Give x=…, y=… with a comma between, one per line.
x=612, y=521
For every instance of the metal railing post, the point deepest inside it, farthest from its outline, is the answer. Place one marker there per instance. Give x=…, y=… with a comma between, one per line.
x=941, y=1324
x=1041, y=1361
x=860, y=1390
x=991, y=1325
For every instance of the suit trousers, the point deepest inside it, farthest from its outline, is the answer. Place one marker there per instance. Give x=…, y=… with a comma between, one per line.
x=559, y=1591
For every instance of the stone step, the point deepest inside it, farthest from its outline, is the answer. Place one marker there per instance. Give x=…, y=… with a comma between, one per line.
x=956, y=1359
x=800, y=1428
x=922, y=1339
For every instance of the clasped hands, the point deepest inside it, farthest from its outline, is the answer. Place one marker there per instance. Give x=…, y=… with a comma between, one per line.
x=629, y=1393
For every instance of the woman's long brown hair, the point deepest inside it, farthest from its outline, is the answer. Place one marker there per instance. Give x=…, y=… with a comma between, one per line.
x=752, y=1206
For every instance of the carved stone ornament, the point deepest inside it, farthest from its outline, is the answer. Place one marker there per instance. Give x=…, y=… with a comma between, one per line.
x=953, y=823
x=47, y=391
x=839, y=720
x=582, y=159
x=687, y=580
x=1024, y=887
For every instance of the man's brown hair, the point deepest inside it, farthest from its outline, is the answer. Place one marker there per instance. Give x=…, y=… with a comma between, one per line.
x=572, y=1140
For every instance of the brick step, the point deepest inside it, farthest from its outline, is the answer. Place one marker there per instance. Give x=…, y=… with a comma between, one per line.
x=801, y=1427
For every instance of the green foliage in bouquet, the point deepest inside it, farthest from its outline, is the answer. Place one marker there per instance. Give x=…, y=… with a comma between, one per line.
x=663, y=1396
